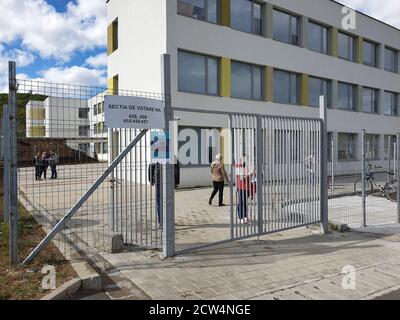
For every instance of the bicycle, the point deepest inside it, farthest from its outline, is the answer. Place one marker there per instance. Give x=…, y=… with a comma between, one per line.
x=389, y=190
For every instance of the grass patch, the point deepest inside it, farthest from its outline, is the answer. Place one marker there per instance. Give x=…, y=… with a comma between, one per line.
x=25, y=283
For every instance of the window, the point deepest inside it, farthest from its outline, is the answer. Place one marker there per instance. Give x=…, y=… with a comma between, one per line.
x=390, y=104
x=391, y=63
x=372, y=146
x=98, y=108
x=370, y=54
x=286, y=87
x=319, y=87
x=286, y=28
x=318, y=38
x=246, y=81
x=347, y=146
x=105, y=147
x=83, y=113
x=84, y=131
x=197, y=73
x=347, y=96
x=206, y=10
x=347, y=49
x=246, y=15
x=112, y=37
x=390, y=142
x=370, y=100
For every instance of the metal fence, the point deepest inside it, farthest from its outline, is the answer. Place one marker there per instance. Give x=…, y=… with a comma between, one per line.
x=96, y=189
x=363, y=175
x=63, y=147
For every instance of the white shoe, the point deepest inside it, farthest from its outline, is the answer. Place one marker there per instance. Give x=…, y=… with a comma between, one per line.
x=245, y=220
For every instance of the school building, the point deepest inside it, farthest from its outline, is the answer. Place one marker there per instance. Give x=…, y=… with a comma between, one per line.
x=272, y=57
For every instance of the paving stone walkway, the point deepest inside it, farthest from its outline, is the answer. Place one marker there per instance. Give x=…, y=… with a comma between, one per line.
x=297, y=264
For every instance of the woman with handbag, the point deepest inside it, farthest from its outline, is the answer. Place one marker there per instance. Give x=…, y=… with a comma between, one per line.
x=219, y=176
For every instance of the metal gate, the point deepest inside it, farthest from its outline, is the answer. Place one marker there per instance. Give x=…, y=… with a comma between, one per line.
x=274, y=166
x=276, y=169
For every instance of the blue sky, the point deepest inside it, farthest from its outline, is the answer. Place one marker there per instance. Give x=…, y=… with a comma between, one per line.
x=65, y=40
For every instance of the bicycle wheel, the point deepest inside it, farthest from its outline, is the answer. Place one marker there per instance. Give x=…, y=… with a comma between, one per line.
x=390, y=191
x=358, y=187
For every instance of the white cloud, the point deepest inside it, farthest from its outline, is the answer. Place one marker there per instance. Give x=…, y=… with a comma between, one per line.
x=42, y=29
x=97, y=61
x=75, y=75
x=22, y=58
x=387, y=11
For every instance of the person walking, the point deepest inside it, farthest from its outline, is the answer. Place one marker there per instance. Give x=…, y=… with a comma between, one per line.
x=53, y=164
x=219, y=176
x=38, y=166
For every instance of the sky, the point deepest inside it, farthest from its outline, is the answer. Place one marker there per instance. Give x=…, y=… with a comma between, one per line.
x=64, y=41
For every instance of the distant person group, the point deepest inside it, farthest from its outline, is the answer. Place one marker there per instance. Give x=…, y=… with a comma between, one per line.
x=42, y=162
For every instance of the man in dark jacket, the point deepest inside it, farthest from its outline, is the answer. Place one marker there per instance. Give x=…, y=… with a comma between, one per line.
x=155, y=178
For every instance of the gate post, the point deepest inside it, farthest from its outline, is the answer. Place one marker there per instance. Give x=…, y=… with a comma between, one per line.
x=363, y=178
x=260, y=175
x=324, y=165
x=6, y=161
x=13, y=222
x=398, y=175
x=169, y=173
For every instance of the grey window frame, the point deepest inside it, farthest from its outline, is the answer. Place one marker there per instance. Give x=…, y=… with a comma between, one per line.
x=86, y=113
x=85, y=129
x=388, y=150
x=261, y=4
x=290, y=27
x=205, y=9
x=354, y=137
x=329, y=98
x=396, y=104
x=290, y=87
x=374, y=95
x=354, y=56
x=370, y=136
x=328, y=36
x=395, y=62
x=206, y=93
x=375, y=63
x=354, y=96
x=253, y=66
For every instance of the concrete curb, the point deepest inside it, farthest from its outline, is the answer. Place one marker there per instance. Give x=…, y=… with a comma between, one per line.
x=61, y=293
x=90, y=279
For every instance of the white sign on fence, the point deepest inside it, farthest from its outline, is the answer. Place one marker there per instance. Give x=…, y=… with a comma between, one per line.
x=134, y=112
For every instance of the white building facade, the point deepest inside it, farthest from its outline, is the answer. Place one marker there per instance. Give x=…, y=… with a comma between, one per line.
x=272, y=57
x=70, y=119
